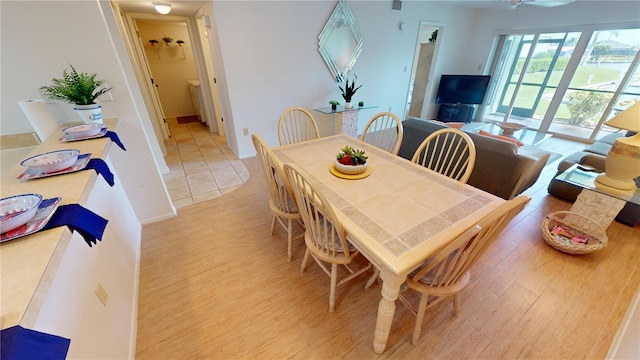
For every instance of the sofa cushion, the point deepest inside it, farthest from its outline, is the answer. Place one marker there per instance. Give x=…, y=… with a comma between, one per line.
x=501, y=137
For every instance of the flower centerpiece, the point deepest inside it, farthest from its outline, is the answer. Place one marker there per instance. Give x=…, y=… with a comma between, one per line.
x=349, y=91
x=351, y=161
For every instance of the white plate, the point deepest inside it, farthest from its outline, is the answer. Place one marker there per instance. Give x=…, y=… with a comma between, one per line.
x=69, y=137
x=17, y=210
x=52, y=161
x=83, y=130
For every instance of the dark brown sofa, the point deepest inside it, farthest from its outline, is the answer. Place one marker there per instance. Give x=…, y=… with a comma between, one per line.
x=501, y=168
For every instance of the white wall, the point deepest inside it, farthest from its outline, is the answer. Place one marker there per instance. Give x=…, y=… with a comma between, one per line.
x=172, y=66
x=41, y=38
x=269, y=50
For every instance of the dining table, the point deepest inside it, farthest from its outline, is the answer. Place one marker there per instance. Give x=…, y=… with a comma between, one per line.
x=397, y=215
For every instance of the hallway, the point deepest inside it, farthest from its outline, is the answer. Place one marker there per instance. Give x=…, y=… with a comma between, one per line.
x=202, y=167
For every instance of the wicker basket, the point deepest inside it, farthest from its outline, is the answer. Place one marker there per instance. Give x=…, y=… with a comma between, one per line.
x=577, y=223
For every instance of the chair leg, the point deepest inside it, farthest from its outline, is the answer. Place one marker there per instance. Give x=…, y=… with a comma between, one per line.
x=273, y=224
x=289, y=238
x=456, y=304
x=373, y=278
x=332, y=293
x=304, y=260
x=422, y=308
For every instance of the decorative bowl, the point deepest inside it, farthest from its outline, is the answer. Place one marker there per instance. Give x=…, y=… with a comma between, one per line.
x=83, y=130
x=350, y=169
x=52, y=161
x=17, y=210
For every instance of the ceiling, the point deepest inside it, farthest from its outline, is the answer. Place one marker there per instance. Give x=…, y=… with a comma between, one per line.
x=182, y=8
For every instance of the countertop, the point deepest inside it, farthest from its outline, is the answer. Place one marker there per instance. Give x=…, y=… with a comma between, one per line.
x=29, y=264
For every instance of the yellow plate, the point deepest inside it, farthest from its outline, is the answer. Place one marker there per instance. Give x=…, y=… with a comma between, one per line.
x=362, y=175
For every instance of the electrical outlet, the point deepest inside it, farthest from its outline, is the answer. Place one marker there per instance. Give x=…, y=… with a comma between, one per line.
x=389, y=109
x=245, y=132
x=479, y=66
x=102, y=295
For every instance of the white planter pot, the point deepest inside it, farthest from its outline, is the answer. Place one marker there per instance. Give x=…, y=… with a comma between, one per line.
x=90, y=114
x=347, y=105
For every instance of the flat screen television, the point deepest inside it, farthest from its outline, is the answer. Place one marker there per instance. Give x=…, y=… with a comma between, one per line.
x=462, y=89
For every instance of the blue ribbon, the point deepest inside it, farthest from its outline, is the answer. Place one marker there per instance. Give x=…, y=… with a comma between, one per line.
x=114, y=137
x=101, y=168
x=85, y=222
x=19, y=343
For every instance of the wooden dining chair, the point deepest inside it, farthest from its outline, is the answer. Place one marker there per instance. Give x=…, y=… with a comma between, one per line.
x=384, y=130
x=296, y=125
x=448, y=151
x=447, y=273
x=281, y=202
x=324, y=236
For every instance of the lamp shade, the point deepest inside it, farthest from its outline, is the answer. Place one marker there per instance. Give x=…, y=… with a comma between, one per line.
x=162, y=7
x=629, y=119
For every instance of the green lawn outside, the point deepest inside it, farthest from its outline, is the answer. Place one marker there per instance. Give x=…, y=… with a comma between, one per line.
x=528, y=94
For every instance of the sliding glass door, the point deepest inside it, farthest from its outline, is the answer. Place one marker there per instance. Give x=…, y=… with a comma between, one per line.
x=565, y=83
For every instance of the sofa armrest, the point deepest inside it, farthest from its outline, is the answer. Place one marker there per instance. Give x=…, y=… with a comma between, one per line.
x=597, y=161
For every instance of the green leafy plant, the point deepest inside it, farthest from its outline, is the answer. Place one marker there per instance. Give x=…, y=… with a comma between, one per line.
x=349, y=90
x=75, y=88
x=434, y=37
x=334, y=102
x=585, y=106
x=360, y=103
x=351, y=156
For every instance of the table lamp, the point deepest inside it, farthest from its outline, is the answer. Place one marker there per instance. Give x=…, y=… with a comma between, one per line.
x=623, y=160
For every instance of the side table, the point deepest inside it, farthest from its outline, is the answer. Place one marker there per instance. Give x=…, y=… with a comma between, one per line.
x=345, y=120
x=597, y=204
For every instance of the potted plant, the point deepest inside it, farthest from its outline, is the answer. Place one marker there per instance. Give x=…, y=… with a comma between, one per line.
x=351, y=161
x=349, y=91
x=334, y=104
x=167, y=40
x=80, y=89
x=361, y=103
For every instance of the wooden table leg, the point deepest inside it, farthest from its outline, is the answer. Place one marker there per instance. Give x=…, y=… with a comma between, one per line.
x=390, y=289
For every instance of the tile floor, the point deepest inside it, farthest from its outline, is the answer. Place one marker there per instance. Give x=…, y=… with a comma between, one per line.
x=202, y=166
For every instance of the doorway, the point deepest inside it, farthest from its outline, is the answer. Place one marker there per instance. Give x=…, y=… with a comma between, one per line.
x=191, y=49
x=420, y=85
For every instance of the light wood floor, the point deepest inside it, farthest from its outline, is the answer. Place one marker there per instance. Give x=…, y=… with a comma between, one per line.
x=215, y=284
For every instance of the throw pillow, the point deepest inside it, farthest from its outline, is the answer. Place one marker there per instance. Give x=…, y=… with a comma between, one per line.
x=455, y=125
x=501, y=137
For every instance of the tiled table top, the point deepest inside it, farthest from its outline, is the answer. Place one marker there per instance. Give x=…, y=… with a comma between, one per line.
x=402, y=212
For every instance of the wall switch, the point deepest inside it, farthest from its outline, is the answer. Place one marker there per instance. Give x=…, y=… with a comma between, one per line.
x=245, y=132
x=479, y=66
x=102, y=295
x=389, y=109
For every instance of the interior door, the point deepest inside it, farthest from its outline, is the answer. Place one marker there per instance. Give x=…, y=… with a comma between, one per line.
x=155, y=107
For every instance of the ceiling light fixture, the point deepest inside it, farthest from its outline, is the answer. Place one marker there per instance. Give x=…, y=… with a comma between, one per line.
x=162, y=7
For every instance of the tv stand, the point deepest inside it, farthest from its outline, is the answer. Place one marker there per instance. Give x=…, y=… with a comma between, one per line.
x=455, y=113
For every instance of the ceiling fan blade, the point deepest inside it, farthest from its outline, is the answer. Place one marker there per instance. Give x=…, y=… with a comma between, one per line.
x=547, y=3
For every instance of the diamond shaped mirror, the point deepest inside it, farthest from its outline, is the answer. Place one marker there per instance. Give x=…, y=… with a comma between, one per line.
x=340, y=41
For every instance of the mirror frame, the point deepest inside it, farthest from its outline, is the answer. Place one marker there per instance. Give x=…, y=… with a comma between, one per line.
x=341, y=11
